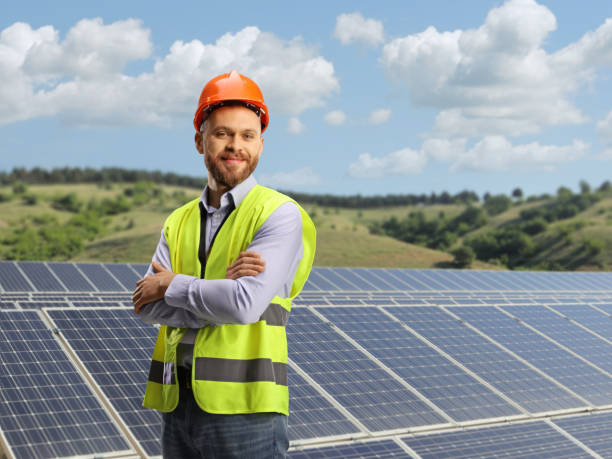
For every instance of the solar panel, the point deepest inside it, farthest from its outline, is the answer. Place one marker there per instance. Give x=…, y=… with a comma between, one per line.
x=374, y=397
x=525, y=440
x=71, y=277
x=359, y=379
x=562, y=331
x=124, y=274
x=369, y=450
x=311, y=414
x=589, y=317
x=584, y=380
x=457, y=393
x=12, y=280
x=594, y=430
x=501, y=370
x=101, y=278
x=115, y=348
x=47, y=409
x=41, y=277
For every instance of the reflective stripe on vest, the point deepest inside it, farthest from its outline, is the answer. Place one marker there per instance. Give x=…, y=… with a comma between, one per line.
x=234, y=370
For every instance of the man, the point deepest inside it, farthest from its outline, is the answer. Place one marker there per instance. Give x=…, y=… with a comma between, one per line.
x=220, y=284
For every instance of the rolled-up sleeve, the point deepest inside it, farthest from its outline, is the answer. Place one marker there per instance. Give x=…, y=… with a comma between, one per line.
x=222, y=301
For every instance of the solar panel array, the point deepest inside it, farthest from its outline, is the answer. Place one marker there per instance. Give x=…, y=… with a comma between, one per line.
x=383, y=363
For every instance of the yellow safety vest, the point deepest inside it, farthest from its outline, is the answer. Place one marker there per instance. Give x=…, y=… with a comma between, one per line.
x=236, y=368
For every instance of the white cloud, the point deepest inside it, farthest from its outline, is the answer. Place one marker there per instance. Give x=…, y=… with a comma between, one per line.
x=498, y=80
x=295, y=126
x=81, y=79
x=497, y=153
x=379, y=116
x=353, y=27
x=335, y=117
x=305, y=176
x=604, y=127
x=402, y=162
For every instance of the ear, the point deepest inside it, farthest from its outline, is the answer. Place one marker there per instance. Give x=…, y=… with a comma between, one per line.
x=260, y=147
x=198, y=142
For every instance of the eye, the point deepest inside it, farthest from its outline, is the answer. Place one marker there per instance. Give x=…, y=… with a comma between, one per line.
x=249, y=136
x=220, y=133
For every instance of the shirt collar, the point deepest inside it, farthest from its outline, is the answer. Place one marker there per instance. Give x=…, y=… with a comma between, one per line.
x=235, y=195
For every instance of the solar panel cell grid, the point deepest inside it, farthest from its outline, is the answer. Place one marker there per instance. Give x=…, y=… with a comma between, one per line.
x=311, y=414
x=511, y=377
x=528, y=440
x=578, y=340
x=100, y=277
x=356, y=382
x=124, y=274
x=593, y=430
x=369, y=450
x=115, y=347
x=40, y=276
x=589, y=317
x=450, y=388
x=573, y=373
x=47, y=409
x=12, y=280
x=71, y=277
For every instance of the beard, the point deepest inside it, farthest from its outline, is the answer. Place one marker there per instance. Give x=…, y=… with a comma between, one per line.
x=229, y=178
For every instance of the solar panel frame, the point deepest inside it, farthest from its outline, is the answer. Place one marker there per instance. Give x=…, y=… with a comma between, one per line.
x=362, y=450
x=523, y=440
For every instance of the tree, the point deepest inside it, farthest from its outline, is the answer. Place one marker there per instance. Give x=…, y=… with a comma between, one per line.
x=464, y=256
x=497, y=204
x=517, y=194
x=585, y=188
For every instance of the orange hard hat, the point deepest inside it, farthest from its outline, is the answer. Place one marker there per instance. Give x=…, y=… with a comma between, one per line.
x=231, y=87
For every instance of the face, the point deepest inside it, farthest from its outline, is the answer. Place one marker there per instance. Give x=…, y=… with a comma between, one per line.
x=231, y=144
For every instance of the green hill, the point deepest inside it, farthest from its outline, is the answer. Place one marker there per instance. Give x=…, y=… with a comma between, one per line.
x=32, y=215
x=121, y=222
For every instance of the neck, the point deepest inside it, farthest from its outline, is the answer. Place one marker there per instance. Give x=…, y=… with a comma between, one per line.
x=214, y=194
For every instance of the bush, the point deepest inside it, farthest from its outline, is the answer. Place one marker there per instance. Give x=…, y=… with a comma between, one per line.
x=495, y=205
x=593, y=246
x=464, y=256
x=19, y=188
x=69, y=202
x=30, y=199
x=534, y=226
x=5, y=197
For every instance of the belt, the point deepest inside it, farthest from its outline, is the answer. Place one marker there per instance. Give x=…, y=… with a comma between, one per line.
x=184, y=377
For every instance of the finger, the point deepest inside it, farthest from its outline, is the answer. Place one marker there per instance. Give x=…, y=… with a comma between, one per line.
x=249, y=260
x=138, y=282
x=249, y=254
x=246, y=266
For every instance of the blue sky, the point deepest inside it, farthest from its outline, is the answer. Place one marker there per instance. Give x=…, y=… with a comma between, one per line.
x=364, y=97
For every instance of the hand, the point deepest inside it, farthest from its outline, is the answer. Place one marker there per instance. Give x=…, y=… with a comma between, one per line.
x=247, y=264
x=153, y=287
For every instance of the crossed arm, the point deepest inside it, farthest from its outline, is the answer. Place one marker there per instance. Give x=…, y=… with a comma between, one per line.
x=153, y=288
x=178, y=300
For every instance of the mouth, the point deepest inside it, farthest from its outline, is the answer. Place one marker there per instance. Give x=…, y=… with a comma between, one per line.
x=233, y=160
